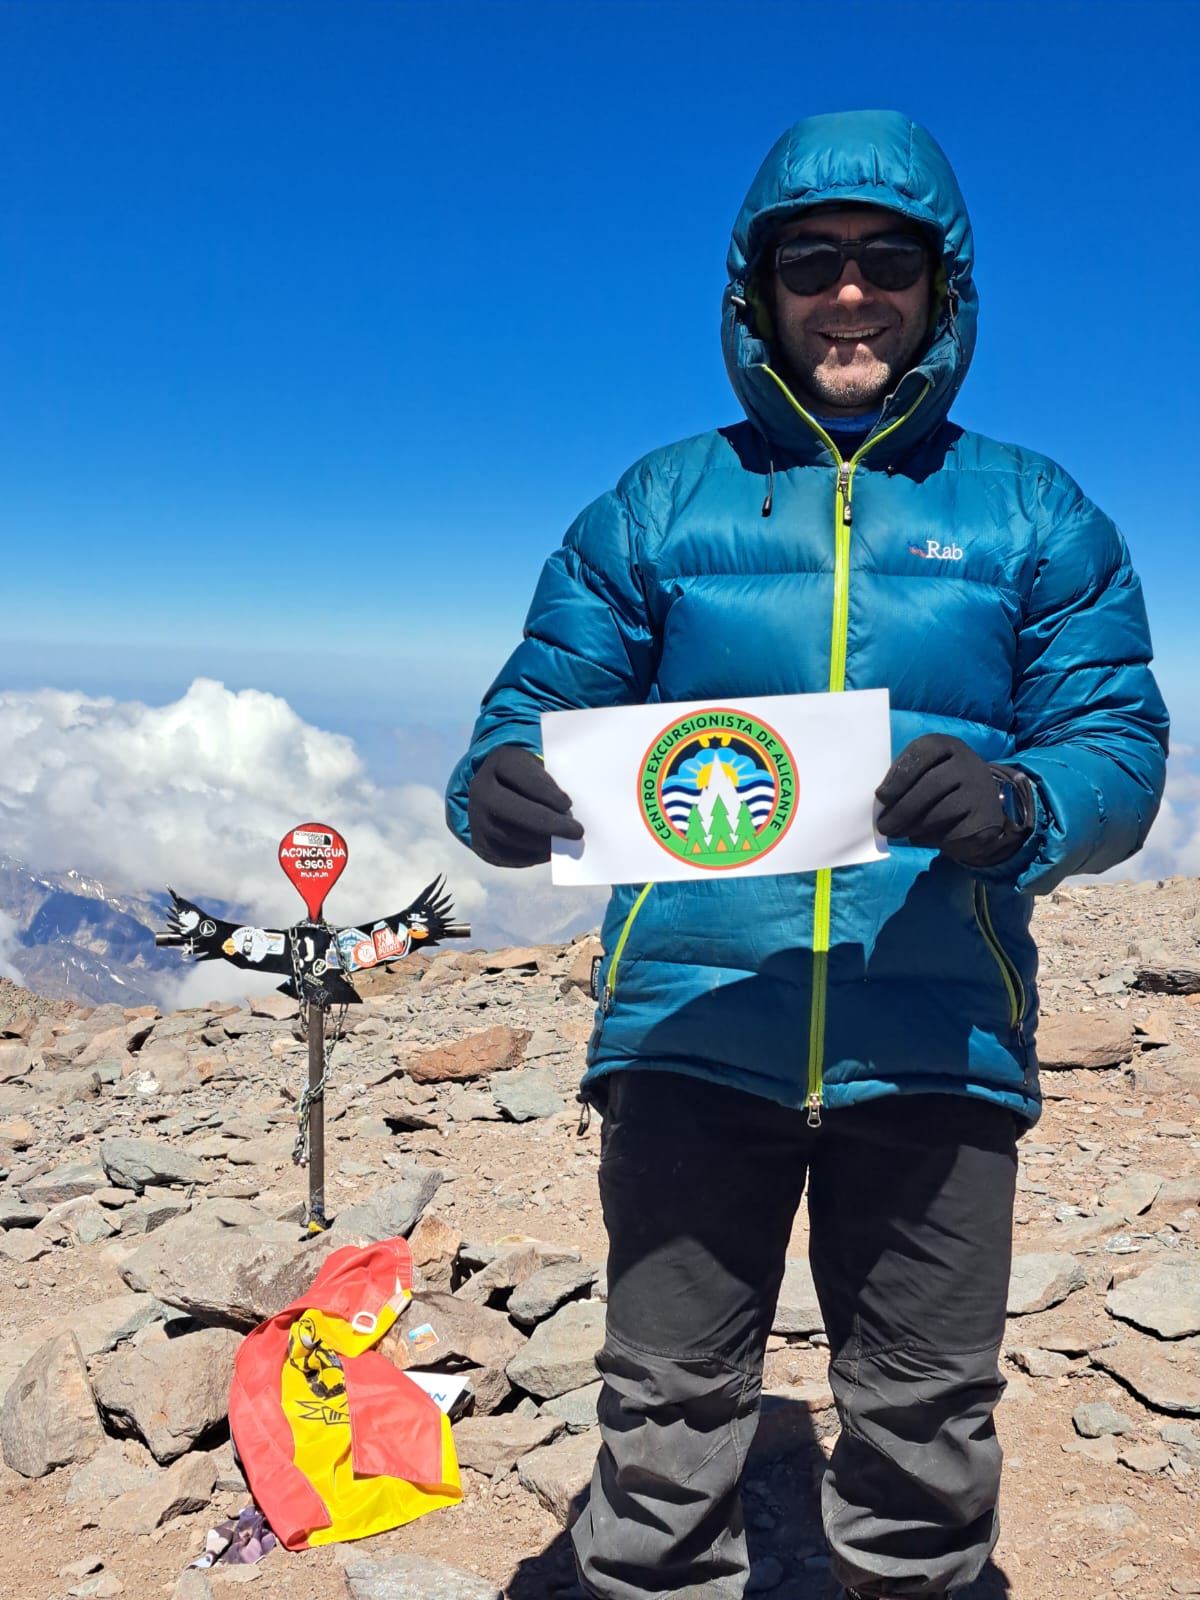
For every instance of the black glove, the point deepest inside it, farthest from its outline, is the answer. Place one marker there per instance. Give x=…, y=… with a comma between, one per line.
x=939, y=794
x=515, y=808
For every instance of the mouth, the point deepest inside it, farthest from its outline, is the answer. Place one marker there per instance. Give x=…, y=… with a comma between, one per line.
x=850, y=335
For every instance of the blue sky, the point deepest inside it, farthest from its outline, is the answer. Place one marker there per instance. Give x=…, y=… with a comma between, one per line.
x=319, y=322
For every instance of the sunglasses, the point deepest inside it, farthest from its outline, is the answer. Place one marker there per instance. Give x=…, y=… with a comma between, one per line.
x=809, y=265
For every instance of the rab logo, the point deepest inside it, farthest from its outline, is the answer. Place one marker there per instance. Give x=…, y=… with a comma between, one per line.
x=934, y=551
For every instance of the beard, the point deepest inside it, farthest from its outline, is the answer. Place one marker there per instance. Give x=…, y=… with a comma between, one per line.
x=863, y=385
x=837, y=381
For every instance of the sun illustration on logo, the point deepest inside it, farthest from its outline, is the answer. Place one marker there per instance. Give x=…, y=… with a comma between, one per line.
x=717, y=788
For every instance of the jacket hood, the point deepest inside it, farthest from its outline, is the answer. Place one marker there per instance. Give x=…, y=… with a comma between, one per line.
x=878, y=158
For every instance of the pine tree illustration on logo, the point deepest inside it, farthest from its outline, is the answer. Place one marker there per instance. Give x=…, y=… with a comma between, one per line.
x=717, y=788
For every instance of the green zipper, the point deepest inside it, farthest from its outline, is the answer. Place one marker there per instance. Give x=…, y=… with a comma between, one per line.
x=610, y=982
x=1008, y=971
x=822, y=908
x=839, y=644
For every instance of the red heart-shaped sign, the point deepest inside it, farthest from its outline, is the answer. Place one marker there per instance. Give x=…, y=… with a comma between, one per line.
x=314, y=857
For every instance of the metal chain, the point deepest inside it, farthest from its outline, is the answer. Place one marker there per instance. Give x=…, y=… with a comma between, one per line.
x=314, y=1091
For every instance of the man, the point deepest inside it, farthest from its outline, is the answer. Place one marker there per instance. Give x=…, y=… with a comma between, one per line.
x=867, y=1030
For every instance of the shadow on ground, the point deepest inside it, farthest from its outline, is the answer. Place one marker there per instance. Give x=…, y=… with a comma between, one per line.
x=788, y=1560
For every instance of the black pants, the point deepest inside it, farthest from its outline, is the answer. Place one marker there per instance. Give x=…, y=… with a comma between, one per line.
x=910, y=1207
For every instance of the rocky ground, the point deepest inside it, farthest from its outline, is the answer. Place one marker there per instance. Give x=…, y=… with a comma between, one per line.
x=149, y=1216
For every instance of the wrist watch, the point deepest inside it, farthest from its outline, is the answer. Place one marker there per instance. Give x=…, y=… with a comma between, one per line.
x=1016, y=798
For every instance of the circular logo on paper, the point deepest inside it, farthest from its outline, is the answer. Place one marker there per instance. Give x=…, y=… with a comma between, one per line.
x=718, y=789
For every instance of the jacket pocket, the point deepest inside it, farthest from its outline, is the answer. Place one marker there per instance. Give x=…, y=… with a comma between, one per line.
x=1006, y=967
x=608, y=973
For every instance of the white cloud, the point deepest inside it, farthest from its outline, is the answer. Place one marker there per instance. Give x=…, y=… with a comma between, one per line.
x=198, y=794
x=9, y=948
x=201, y=983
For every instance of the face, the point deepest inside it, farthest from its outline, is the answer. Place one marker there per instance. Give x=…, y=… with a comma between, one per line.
x=846, y=348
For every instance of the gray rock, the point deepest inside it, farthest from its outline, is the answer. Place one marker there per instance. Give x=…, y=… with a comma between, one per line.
x=559, y=1473
x=102, y=1325
x=577, y=1408
x=491, y=1389
x=134, y=1163
x=276, y=1006
x=82, y=1568
x=230, y=1477
x=1113, y=1517
x=472, y=1105
x=474, y=1334
x=49, y=1418
x=65, y=1090
x=1076, y=1233
x=549, y=1288
x=1182, y=1191
x=1041, y=1363
x=395, y=1210
x=194, y=1585
x=237, y=1024
x=270, y=1151
x=67, y=1182
x=508, y=1269
x=797, y=1311
x=225, y=1277
x=116, y=1468
x=1103, y=1450
x=1132, y=1194
x=1098, y=1419
x=561, y=1354
x=496, y=1444
x=104, y=1045
x=168, y=1069
x=1165, y=1298
x=186, y=1486
x=170, y=1393
x=1147, y=1458
x=15, y=1213
x=526, y=1096
x=148, y=1213
x=1166, y=973
x=15, y=1061
x=1184, y=1441
x=22, y=1244
x=434, y=1244
x=81, y=1220
x=110, y=1070
x=544, y=1043
x=1040, y=1280
x=411, y=1578
x=1172, y=1386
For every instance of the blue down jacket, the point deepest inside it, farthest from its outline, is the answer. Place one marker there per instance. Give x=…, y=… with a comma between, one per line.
x=753, y=560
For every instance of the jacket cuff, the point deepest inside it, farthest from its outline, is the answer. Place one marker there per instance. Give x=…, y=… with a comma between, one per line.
x=1031, y=815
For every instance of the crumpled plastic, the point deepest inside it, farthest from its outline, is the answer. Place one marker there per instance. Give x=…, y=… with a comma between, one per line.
x=243, y=1541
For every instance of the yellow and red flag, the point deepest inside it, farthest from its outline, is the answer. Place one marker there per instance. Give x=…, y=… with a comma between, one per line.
x=335, y=1441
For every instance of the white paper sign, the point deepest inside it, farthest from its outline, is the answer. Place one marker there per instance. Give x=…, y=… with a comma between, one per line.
x=443, y=1388
x=773, y=783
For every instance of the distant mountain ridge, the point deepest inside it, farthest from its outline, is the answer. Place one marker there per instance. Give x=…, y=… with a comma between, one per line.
x=74, y=938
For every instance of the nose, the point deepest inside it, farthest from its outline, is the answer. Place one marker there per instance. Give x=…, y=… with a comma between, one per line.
x=851, y=288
